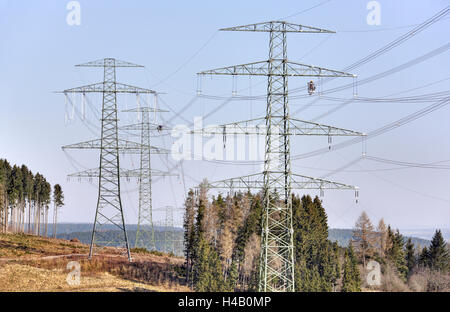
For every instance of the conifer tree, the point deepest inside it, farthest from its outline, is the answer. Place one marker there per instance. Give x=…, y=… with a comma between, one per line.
x=424, y=257
x=58, y=202
x=15, y=196
x=27, y=178
x=208, y=270
x=396, y=253
x=439, y=256
x=200, y=245
x=382, y=238
x=410, y=256
x=233, y=277
x=351, y=279
x=19, y=188
x=189, y=233
x=314, y=254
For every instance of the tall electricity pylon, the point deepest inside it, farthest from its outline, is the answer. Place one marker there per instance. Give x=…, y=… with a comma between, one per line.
x=145, y=228
x=109, y=204
x=277, y=247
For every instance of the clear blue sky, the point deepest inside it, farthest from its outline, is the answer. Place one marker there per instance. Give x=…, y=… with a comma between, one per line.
x=176, y=39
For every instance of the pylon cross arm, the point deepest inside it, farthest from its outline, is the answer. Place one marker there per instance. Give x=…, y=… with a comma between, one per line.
x=145, y=126
x=277, y=26
x=251, y=126
x=257, y=127
x=118, y=88
x=253, y=69
x=300, y=182
x=108, y=62
x=262, y=68
x=123, y=145
x=308, y=183
x=134, y=173
x=244, y=182
x=302, y=127
x=145, y=109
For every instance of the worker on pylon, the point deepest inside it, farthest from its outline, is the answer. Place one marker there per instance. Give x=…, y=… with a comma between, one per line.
x=311, y=87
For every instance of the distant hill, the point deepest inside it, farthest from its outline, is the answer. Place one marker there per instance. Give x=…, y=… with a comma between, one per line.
x=82, y=231
x=67, y=228
x=170, y=241
x=343, y=236
x=426, y=233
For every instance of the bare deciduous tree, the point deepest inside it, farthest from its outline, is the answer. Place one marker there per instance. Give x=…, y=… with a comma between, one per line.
x=364, y=237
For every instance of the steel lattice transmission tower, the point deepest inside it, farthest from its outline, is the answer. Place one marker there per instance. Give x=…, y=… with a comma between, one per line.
x=168, y=231
x=277, y=180
x=169, y=240
x=145, y=228
x=109, y=204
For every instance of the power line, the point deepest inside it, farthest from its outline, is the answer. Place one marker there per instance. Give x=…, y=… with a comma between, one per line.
x=306, y=10
x=389, y=127
x=391, y=45
x=187, y=61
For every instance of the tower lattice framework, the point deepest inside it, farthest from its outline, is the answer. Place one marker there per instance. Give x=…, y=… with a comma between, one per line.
x=145, y=233
x=277, y=180
x=109, y=210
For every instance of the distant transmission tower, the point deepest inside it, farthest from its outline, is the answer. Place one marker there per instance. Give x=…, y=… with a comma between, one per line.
x=170, y=238
x=145, y=230
x=277, y=248
x=109, y=205
x=168, y=231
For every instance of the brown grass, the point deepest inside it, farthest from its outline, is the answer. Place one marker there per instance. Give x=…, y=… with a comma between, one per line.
x=29, y=263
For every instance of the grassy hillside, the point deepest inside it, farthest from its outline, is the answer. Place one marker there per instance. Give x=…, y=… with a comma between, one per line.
x=30, y=263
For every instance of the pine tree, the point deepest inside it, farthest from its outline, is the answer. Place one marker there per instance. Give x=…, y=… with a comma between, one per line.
x=202, y=276
x=316, y=260
x=351, y=279
x=410, y=256
x=382, y=238
x=18, y=187
x=424, y=257
x=439, y=257
x=58, y=202
x=189, y=233
x=396, y=253
x=45, y=200
x=7, y=169
x=200, y=245
x=3, y=193
x=233, y=277
x=27, y=178
x=15, y=194
x=208, y=270
x=37, y=189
